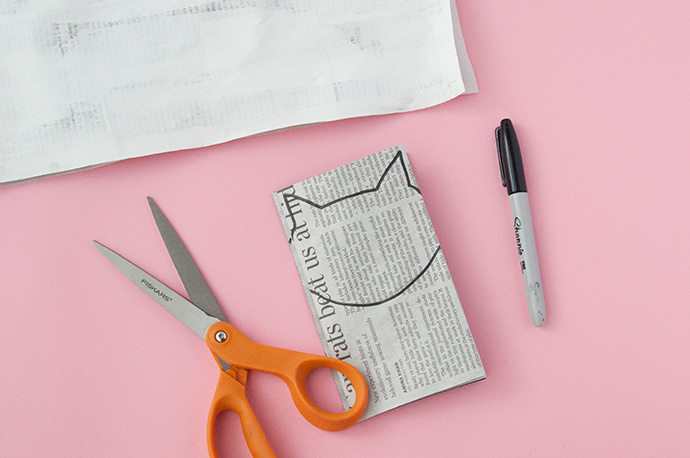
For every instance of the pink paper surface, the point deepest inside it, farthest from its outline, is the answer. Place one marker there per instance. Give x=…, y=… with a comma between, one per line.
x=599, y=95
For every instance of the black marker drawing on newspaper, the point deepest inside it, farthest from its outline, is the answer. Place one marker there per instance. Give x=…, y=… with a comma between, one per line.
x=376, y=237
x=377, y=283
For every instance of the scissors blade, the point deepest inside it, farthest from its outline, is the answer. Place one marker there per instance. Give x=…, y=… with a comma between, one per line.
x=190, y=315
x=197, y=288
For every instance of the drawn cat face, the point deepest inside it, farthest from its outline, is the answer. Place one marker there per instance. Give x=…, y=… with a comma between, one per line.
x=377, y=242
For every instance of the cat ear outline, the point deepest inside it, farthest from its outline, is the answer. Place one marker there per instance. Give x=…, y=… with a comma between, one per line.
x=398, y=158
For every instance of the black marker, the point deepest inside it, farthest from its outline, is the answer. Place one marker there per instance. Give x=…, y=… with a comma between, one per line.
x=513, y=177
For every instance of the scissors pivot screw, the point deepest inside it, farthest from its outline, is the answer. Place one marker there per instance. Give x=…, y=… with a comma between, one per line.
x=221, y=336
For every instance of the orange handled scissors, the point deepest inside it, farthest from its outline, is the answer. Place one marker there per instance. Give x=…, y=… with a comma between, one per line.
x=234, y=352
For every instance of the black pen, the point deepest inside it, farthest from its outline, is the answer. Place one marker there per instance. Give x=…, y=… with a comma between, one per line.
x=513, y=177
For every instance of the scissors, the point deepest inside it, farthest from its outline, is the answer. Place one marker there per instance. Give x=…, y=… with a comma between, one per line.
x=234, y=352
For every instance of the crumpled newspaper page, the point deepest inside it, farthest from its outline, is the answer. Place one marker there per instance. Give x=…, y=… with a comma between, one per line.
x=87, y=82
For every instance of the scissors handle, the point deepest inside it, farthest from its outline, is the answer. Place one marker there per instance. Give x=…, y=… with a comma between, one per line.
x=230, y=395
x=293, y=368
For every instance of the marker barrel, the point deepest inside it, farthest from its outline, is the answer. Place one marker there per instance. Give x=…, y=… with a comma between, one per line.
x=527, y=249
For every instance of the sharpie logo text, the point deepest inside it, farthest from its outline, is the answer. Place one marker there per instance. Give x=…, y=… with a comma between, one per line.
x=517, y=224
x=153, y=288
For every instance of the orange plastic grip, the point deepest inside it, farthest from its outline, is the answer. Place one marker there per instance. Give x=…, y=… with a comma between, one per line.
x=293, y=368
x=230, y=395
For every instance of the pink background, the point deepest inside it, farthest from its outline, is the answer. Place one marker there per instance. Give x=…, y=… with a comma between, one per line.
x=599, y=93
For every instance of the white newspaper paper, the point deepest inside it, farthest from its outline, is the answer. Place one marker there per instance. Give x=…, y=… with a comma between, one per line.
x=377, y=282
x=86, y=82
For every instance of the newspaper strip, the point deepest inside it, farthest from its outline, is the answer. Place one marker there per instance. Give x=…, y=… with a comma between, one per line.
x=377, y=282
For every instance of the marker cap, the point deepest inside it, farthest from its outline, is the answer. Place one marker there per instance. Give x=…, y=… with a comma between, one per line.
x=509, y=158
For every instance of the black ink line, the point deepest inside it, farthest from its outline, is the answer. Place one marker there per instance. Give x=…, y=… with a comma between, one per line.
x=397, y=157
x=412, y=282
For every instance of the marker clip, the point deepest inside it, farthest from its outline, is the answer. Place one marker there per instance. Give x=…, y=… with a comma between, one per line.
x=500, y=156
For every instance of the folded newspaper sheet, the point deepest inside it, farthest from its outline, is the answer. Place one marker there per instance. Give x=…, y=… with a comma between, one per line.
x=377, y=282
x=93, y=81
